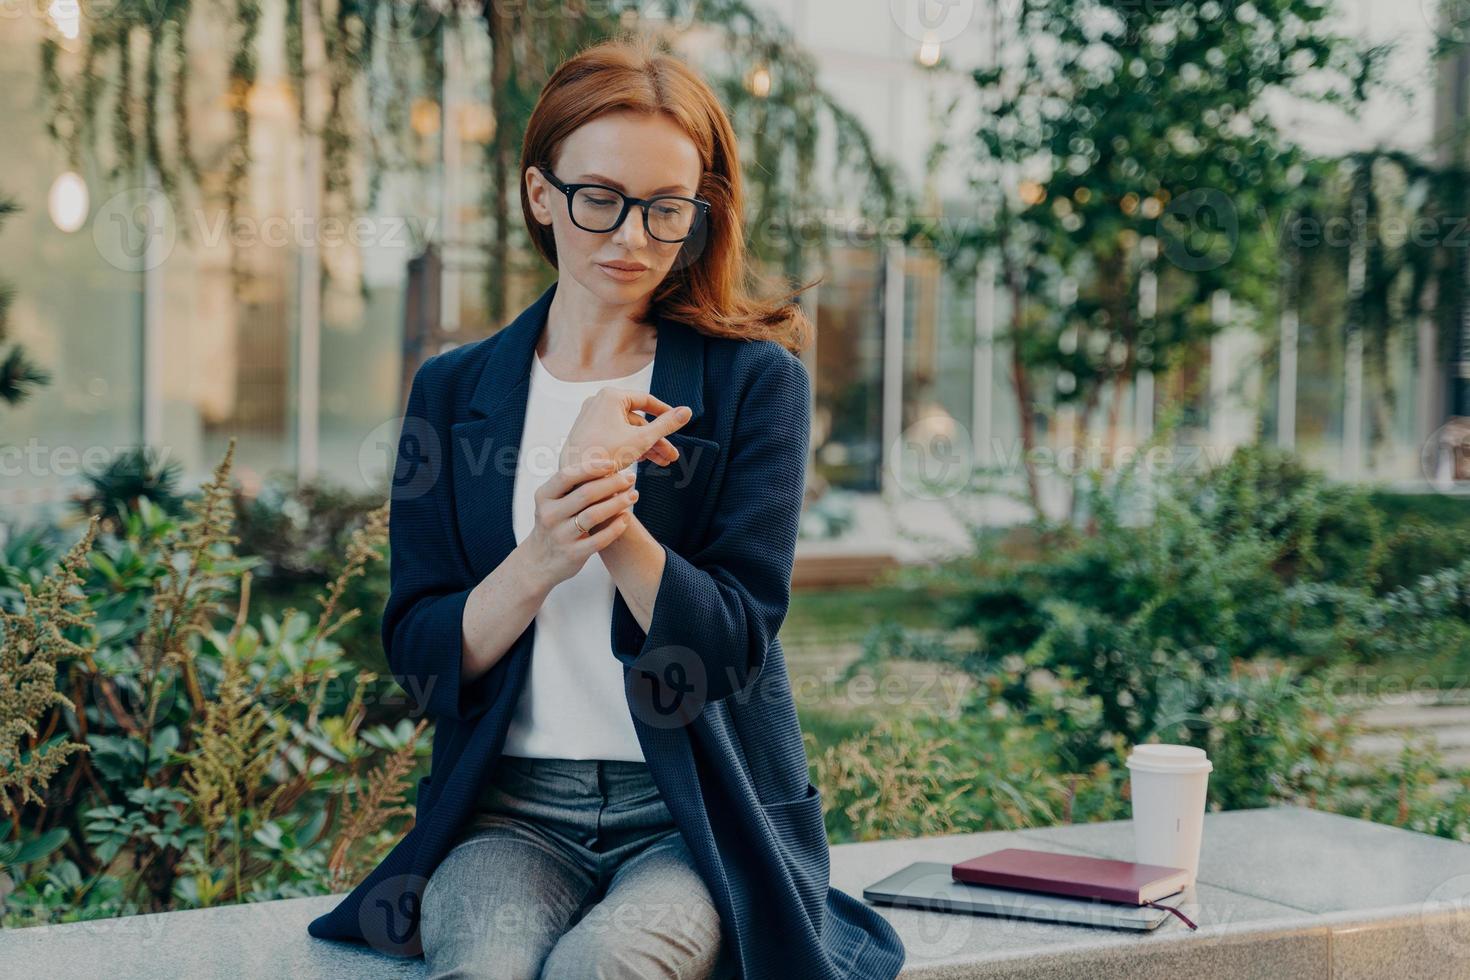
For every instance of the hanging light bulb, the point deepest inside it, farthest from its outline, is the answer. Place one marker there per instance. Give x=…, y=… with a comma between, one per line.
x=758, y=82
x=67, y=202
x=424, y=116
x=67, y=16
x=929, y=50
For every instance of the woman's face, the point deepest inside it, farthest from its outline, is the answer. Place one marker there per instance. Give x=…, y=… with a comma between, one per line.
x=640, y=155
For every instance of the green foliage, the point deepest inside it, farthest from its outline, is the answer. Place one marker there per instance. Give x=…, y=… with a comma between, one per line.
x=298, y=532
x=998, y=763
x=138, y=473
x=1229, y=608
x=226, y=757
x=1126, y=160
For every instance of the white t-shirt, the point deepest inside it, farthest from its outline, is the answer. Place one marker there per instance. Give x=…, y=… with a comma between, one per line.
x=572, y=706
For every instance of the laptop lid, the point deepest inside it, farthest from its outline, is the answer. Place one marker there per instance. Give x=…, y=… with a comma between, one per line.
x=929, y=885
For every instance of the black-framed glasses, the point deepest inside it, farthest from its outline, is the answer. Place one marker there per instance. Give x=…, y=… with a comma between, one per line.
x=598, y=208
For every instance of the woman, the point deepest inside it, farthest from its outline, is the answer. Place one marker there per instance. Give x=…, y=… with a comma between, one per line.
x=586, y=600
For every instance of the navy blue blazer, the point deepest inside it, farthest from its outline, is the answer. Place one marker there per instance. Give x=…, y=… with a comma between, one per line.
x=707, y=686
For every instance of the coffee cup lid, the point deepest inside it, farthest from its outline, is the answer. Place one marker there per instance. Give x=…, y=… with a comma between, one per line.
x=1160, y=757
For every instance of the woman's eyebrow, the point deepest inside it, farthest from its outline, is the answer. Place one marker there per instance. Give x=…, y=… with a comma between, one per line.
x=598, y=178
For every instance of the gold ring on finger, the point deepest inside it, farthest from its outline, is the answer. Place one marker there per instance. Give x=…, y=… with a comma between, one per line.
x=577, y=520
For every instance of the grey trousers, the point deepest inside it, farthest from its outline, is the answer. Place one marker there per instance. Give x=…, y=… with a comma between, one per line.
x=570, y=869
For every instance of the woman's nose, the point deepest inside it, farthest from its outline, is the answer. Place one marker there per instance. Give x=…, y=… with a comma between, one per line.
x=630, y=232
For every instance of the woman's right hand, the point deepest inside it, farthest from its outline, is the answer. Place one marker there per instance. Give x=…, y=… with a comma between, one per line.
x=592, y=489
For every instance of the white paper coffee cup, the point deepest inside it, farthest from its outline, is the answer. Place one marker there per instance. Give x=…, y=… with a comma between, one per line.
x=1168, y=787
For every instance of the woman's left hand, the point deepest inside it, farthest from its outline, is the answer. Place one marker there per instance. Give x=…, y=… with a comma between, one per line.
x=609, y=426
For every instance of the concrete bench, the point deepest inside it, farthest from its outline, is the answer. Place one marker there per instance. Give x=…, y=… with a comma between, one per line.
x=1282, y=892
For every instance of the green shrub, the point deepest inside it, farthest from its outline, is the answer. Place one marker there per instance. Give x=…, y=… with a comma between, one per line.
x=990, y=766
x=168, y=748
x=1215, y=609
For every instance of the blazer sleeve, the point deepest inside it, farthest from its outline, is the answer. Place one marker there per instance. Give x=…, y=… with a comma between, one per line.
x=725, y=603
x=422, y=631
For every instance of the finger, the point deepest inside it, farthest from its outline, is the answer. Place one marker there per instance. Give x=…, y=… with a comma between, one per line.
x=603, y=537
x=570, y=476
x=659, y=456
x=656, y=457
x=601, y=511
x=643, y=401
x=583, y=496
x=666, y=451
x=667, y=423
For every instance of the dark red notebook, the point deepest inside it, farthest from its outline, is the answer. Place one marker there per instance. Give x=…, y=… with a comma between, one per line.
x=1069, y=874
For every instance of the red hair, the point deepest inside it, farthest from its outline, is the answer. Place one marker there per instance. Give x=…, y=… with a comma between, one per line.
x=707, y=286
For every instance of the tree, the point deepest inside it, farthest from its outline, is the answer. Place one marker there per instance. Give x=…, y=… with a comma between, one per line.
x=1122, y=145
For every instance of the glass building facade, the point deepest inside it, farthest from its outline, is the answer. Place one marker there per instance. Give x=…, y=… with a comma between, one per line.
x=305, y=358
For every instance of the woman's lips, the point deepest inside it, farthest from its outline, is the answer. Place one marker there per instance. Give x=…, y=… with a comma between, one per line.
x=621, y=275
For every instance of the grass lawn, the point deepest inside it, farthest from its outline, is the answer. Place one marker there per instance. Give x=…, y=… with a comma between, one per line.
x=824, y=632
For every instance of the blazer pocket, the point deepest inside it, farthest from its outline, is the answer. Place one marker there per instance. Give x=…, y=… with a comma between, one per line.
x=680, y=491
x=689, y=474
x=800, y=834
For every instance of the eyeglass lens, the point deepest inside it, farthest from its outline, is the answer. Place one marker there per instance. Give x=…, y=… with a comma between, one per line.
x=596, y=209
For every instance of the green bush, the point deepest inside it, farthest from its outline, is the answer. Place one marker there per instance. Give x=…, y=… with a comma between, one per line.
x=1222, y=609
x=990, y=766
x=163, y=746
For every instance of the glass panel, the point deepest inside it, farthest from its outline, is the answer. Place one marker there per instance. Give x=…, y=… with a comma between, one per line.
x=847, y=436
x=229, y=349
x=1319, y=393
x=1391, y=408
x=939, y=340
x=78, y=316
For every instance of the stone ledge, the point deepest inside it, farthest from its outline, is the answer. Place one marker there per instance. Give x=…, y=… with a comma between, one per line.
x=1282, y=892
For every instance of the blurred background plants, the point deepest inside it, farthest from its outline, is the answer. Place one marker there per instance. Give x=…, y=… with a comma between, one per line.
x=1249, y=607
x=193, y=720
x=167, y=745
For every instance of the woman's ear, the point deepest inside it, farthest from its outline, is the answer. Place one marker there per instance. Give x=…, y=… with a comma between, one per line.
x=538, y=193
